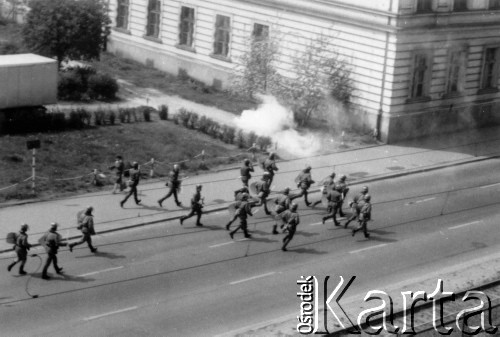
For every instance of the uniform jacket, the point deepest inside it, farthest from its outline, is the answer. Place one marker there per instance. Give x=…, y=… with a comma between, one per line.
x=334, y=197
x=119, y=166
x=22, y=242
x=52, y=241
x=245, y=171
x=135, y=176
x=283, y=201
x=262, y=188
x=196, y=200
x=343, y=188
x=244, y=210
x=270, y=166
x=305, y=180
x=365, y=212
x=87, y=225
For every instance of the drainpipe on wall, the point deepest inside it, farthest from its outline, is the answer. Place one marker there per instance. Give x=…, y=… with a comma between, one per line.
x=378, y=126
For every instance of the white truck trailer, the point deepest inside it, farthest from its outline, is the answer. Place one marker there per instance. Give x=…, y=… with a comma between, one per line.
x=27, y=80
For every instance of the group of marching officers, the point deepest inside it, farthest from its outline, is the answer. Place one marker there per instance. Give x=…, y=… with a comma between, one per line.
x=285, y=210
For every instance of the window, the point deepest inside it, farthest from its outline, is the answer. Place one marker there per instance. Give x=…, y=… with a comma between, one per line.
x=122, y=14
x=424, y=5
x=420, y=75
x=260, y=32
x=186, y=27
x=494, y=4
x=460, y=5
x=489, y=78
x=154, y=14
x=456, y=71
x=222, y=34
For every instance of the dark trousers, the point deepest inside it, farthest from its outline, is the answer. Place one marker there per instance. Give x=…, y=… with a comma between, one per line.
x=245, y=180
x=51, y=258
x=243, y=227
x=303, y=192
x=271, y=177
x=86, y=237
x=362, y=226
x=288, y=237
x=334, y=209
x=341, y=213
x=354, y=215
x=194, y=211
x=133, y=190
x=173, y=190
x=263, y=202
x=22, y=255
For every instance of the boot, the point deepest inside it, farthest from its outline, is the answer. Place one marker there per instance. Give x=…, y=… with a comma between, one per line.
x=21, y=271
x=9, y=268
x=275, y=229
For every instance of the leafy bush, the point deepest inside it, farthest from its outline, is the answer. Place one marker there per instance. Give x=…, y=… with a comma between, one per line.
x=99, y=117
x=229, y=134
x=251, y=139
x=102, y=86
x=76, y=120
x=184, y=116
x=111, y=117
x=193, y=120
x=163, y=113
x=70, y=86
x=203, y=124
x=240, y=139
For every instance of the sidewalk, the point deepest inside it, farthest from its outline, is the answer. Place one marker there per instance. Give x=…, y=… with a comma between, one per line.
x=360, y=166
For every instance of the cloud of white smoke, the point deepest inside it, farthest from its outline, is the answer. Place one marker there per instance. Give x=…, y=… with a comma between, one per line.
x=273, y=120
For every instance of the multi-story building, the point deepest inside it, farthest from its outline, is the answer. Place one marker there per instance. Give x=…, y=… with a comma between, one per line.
x=418, y=66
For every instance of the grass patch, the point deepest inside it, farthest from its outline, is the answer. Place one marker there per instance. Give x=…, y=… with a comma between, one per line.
x=76, y=153
x=192, y=90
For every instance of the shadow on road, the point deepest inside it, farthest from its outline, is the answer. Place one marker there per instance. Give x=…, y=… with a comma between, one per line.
x=64, y=277
x=107, y=255
x=306, y=251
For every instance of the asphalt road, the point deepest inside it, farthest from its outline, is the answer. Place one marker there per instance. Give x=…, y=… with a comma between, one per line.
x=172, y=280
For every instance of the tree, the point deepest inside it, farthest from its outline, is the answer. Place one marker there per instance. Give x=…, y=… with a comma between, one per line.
x=67, y=29
x=319, y=72
x=256, y=72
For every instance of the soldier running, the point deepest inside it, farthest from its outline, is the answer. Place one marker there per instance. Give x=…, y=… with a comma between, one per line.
x=245, y=172
x=243, y=211
x=120, y=168
x=86, y=225
x=238, y=197
x=269, y=166
x=51, y=241
x=282, y=204
x=356, y=204
x=263, y=190
x=365, y=214
x=174, y=183
x=291, y=226
x=334, y=198
x=328, y=185
x=196, y=207
x=21, y=247
x=341, y=186
x=135, y=176
x=305, y=181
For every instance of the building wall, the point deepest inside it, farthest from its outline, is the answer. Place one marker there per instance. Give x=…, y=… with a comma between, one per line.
x=377, y=38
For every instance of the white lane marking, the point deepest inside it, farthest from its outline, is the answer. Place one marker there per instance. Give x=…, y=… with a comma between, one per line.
x=110, y=313
x=367, y=248
x=492, y=185
x=419, y=201
x=317, y=223
x=100, y=271
x=252, y=278
x=465, y=224
x=227, y=243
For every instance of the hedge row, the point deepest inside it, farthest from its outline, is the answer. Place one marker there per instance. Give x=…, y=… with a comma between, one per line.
x=227, y=134
x=85, y=83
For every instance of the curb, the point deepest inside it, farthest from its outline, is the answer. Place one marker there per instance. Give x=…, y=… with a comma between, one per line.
x=354, y=183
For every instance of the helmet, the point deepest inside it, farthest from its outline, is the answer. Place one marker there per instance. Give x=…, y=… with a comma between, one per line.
x=176, y=167
x=88, y=210
x=286, y=190
x=271, y=155
x=244, y=196
x=266, y=175
x=293, y=207
x=308, y=168
x=135, y=165
x=54, y=225
x=24, y=227
x=198, y=187
x=367, y=197
x=333, y=175
x=364, y=189
x=343, y=177
x=246, y=161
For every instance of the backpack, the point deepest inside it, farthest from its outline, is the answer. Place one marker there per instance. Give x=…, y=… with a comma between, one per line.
x=11, y=238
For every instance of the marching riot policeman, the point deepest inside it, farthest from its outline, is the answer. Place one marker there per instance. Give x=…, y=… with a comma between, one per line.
x=334, y=198
x=356, y=204
x=243, y=211
x=51, y=241
x=341, y=186
x=22, y=246
x=291, y=226
x=270, y=166
x=328, y=185
x=305, y=181
x=135, y=176
x=86, y=225
x=263, y=190
x=174, y=183
x=245, y=172
x=196, y=207
x=238, y=197
x=282, y=204
x=365, y=214
x=120, y=168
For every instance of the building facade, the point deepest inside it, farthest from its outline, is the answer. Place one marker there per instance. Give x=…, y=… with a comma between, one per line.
x=419, y=67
